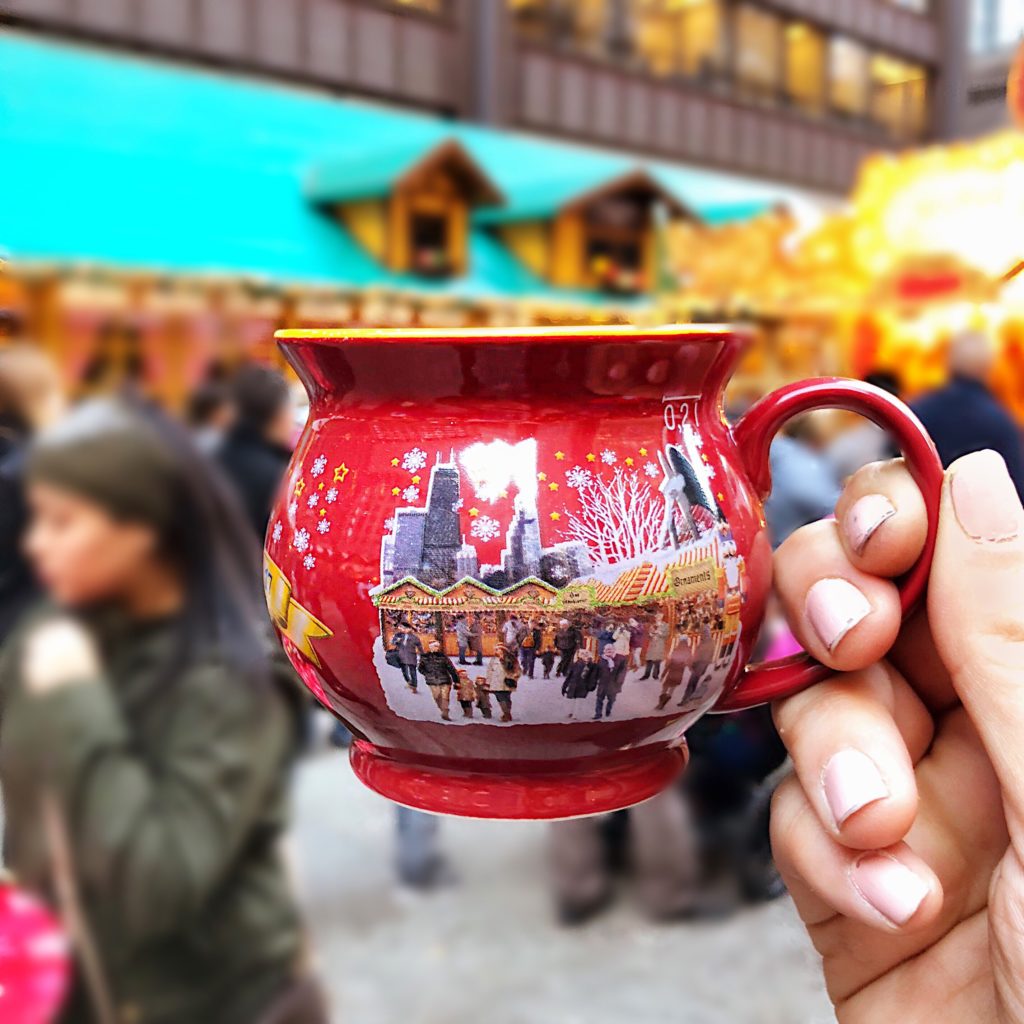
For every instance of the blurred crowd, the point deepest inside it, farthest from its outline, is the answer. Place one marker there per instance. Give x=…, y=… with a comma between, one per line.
x=150, y=723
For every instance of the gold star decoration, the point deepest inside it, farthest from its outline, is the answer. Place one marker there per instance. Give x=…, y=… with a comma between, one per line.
x=320, y=486
x=629, y=461
x=396, y=491
x=703, y=457
x=473, y=513
x=560, y=456
x=552, y=487
x=394, y=462
x=555, y=516
x=299, y=488
x=542, y=477
x=340, y=472
x=720, y=496
x=416, y=479
x=504, y=494
x=643, y=451
x=323, y=512
x=591, y=457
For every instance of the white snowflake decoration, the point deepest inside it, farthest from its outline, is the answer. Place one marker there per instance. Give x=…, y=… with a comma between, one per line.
x=323, y=526
x=578, y=477
x=314, y=500
x=709, y=472
x=319, y=465
x=309, y=561
x=276, y=533
x=608, y=457
x=485, y=528
x=293, y=507
x=457, y=505
x=389, y=524
x=332, y=495
x=651, y=469
x=411, y=494
x=414, y=460
x=301, y=541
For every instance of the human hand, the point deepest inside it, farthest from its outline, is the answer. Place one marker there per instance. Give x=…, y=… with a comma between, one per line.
x=58, y=653
x=901, y=833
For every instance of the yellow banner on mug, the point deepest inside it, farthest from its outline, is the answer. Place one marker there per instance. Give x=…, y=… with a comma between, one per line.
x=294, y=621
x=693, y=579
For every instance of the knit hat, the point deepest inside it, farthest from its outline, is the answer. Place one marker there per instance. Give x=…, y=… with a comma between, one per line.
x=108, y=452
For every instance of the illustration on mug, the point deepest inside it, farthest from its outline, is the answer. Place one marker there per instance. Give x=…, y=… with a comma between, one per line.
x=519, y=585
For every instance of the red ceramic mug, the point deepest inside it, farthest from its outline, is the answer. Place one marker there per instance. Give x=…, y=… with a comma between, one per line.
x=520, y=563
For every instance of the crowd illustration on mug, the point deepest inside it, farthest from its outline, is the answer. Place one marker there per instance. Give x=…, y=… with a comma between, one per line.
x=525, y=586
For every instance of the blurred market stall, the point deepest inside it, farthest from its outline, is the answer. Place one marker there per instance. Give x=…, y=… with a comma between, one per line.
x=168, y=220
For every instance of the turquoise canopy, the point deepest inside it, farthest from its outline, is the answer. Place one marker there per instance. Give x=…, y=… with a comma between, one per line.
x=121, y=161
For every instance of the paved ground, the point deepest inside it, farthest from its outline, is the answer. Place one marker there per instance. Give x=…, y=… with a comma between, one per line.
x=488, y=952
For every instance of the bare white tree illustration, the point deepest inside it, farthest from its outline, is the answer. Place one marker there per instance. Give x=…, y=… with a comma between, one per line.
x=618, y=518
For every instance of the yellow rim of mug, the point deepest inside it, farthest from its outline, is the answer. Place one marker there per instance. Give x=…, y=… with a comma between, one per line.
x=666, y=332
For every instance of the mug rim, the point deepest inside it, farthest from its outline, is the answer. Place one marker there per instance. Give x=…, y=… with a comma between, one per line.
x=615, y=332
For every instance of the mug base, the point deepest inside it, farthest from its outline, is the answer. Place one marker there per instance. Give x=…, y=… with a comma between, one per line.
x=517, y=796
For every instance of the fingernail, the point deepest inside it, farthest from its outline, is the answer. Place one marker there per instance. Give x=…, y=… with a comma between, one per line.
x=985, y=499
x=866, y=515
x=834, y=607
x=851, y=781
x=890, y=887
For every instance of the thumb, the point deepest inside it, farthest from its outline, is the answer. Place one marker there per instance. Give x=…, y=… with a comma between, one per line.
x=976, y=609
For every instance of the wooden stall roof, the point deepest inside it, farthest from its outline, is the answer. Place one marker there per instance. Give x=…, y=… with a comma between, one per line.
x=468, y=594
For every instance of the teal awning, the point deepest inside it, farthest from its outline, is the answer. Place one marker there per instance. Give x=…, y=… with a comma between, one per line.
x=122, y=161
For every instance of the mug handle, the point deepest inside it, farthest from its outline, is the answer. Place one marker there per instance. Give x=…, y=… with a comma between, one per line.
x=753, y=436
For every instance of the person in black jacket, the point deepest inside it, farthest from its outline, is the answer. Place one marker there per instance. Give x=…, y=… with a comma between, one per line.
x=581, y=680
x=31, y=398
x=440, y=675
x=256, y=451
x=964, y=416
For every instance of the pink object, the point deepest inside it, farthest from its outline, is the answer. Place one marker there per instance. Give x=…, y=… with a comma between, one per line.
x=865, y=517
x=34, y=960
x=834, y=607
x=852, y=781
x=889, y=887
x=985, y=499
x=512, y=494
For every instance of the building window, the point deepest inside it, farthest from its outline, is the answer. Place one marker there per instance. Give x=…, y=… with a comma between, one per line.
x=758, y=51
x=678, y=36
x=996, y=24
x=848, y=77
x=805, y=67
x=917, y=6
x=430, y=6
x=899, y=96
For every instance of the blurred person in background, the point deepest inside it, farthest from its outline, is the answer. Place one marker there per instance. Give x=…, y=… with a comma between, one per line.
x=964, y=416
x=210, y=413
x=804, y=483
x=865, y=442
x=31, y=398
x=257, y=448
x=147, y=733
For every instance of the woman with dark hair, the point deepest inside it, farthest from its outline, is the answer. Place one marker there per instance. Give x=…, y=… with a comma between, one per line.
x=146, y=733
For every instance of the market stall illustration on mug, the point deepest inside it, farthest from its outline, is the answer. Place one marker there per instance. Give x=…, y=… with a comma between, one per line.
x=524, y=586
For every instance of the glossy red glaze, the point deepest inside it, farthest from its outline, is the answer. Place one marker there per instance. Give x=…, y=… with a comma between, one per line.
x=588, y=410
x=34, y=960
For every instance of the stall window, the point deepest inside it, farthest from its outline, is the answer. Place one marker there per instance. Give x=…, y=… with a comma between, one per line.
x=616, y=231
x=758, y=50
x=580, y=24
x=899, y=96
x=805, y=67
x=430, y=245
x=848, y=74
